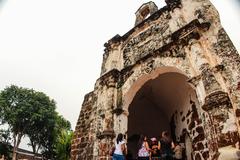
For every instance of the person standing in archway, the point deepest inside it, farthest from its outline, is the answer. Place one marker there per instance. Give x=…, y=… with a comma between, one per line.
x=120, y=148
x=167, y=146
x=155, y=149
x=143, y=148
x=178, y=151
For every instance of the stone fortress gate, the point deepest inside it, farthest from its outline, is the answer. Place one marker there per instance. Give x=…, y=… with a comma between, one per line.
x=175, y=70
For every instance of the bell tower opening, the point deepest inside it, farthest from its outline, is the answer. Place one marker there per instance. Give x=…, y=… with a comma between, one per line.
x=161, y=104
x=146, y=10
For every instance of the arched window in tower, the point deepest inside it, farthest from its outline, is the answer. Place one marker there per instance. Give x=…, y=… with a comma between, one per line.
x=145, y=11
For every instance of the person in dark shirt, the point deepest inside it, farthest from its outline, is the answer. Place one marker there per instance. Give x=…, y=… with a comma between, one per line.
x=167, y=146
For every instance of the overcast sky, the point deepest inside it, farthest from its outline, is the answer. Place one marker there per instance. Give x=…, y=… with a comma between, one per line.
x=56, y=46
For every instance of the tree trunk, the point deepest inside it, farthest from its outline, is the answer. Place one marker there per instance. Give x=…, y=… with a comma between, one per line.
x=37, y=150
x=17, y=140
x=34, y=149
x=14, y=157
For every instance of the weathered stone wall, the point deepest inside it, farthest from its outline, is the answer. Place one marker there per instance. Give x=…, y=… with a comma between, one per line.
x=85, y=134
x=184, y=37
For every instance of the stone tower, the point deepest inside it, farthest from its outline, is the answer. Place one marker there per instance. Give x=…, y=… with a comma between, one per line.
x=175, y=70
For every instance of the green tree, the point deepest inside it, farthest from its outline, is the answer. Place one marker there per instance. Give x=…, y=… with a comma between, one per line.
x=24, y=110
x=52, y=139
x=31, y=113
x=63, y=145
x=42, y=138
x=42, y=120
x=63, y=137
x=62, y=124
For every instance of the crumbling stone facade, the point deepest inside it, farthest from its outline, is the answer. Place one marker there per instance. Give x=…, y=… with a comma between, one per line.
x=175, y=70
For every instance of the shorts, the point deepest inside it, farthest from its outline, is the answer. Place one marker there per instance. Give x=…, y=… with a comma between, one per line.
x=118, y=157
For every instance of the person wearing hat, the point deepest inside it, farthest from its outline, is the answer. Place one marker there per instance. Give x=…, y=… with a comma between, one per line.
x=155, y=149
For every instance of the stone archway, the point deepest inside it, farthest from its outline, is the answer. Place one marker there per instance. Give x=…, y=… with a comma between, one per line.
x=161, y=103
x=186, y=35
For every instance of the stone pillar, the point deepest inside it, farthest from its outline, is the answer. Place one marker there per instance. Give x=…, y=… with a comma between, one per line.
x=206, y=85
x=215, y=102
x=203, y=69
x=230, y=59
x=106, y=102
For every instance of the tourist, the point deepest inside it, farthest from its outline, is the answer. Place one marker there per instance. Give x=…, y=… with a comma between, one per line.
x=143, y=148
x=178, y=151
x=167, y=146
x=120, y=148
x=155, y=149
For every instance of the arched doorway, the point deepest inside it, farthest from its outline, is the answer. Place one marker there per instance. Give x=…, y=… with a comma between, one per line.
x=162, y=103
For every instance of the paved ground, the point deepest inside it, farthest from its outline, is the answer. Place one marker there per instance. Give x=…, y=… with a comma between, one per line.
x=229, y=153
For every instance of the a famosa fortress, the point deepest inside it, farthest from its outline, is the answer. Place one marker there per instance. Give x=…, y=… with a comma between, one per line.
x=175, y=70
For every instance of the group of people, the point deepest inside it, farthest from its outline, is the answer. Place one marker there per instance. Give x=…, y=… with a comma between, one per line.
x=163, y=149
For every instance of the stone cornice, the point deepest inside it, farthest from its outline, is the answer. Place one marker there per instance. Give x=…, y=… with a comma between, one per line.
x=180, y=38
x=215, y=100
x=195, y=80
x=116, y=39
x=192, y=27
x=112, y=74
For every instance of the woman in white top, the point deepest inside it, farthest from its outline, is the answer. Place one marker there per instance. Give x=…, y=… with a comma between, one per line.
x=120, y=147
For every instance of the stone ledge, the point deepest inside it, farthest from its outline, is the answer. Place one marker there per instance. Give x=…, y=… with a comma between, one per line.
x=215, y=100
x=106, y=134
x=118, y=111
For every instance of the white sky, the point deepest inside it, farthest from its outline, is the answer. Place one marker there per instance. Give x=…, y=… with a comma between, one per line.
x=56, y=46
